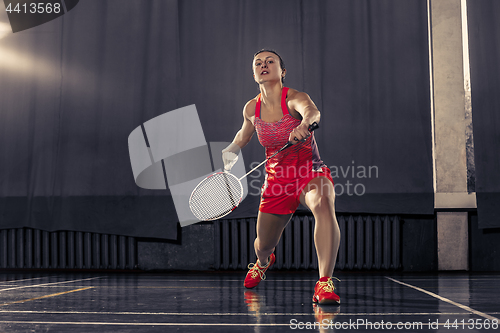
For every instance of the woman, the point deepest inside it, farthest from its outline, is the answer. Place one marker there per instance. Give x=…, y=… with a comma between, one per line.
x=296, y=175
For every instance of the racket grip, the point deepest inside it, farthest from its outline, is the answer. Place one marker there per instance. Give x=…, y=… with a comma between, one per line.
x=313, y=126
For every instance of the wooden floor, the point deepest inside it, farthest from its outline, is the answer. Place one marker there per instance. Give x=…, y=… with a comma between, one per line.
x=218, y=302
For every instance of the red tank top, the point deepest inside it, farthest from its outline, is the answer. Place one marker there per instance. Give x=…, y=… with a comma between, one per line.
x=293, y=162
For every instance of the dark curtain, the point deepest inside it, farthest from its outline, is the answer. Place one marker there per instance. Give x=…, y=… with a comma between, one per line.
x=484, y=50
x=73, y=90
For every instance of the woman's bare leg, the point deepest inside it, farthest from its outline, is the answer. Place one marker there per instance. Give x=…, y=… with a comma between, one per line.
x=269, y=230
x=319, y=197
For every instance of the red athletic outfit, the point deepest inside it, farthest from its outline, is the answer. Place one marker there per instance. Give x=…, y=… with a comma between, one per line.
x=290, y=170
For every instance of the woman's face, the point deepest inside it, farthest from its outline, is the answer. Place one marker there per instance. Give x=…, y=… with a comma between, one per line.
x=266, y=67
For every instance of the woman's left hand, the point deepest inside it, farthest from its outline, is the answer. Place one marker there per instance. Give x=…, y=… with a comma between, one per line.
x=299, y=133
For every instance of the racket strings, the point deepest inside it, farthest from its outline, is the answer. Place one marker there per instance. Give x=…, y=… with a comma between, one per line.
x=216, y=196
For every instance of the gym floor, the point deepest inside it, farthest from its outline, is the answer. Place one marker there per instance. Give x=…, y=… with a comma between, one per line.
x=218, y=302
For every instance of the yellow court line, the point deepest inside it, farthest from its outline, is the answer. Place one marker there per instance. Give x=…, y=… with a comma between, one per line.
x=47, y=296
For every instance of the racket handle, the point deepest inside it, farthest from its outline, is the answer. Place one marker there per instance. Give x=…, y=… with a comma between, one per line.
x=311, y=128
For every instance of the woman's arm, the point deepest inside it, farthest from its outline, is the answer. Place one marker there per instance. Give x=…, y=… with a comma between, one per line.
x=302, y=103
x=244, y=135
x=241, y=139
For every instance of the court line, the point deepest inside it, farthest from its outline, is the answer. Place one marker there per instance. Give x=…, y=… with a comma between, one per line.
x=145, y=278
x=461, y=306
x=289, y=324
x=14, y=281
x=46, y=296
x=46, y=284
x=455, y=279
x=11, y=283
x=170, y=278
x=240, y=314
x=238, y=280
x=137, y=324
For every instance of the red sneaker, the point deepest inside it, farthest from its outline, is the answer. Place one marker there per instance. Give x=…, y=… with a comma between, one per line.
x=324, y=292
x=257, y=272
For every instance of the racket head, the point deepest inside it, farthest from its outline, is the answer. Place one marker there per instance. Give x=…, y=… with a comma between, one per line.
x=216, y=196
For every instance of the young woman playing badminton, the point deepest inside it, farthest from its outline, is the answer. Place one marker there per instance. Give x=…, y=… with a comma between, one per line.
x=296, y=175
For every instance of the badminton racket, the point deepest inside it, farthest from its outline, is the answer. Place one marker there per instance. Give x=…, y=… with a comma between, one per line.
x=220, y=193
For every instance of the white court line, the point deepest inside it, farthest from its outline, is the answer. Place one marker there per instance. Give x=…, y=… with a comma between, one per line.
x=15, y=281
x=11, y=283
x=461, y=306
x=217, y=280
x=46, y=284
x=453, y=279
x=137, y=324
x=240, y=314
x=310, y=280
x=164, y=324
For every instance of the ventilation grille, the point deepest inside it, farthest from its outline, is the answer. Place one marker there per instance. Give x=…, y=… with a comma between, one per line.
x=368, y=242
x=31, y=248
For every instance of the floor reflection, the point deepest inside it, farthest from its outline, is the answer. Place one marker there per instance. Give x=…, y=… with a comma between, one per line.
x=256, y=306
x=325, y=315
